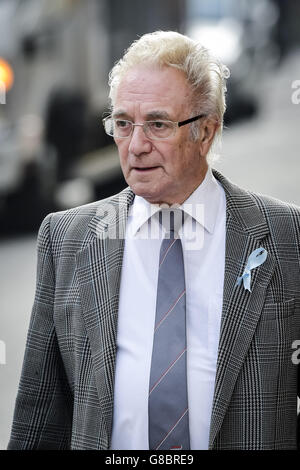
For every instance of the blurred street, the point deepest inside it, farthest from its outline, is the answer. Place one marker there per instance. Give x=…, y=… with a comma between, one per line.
x=17, y=274
x=261, y=154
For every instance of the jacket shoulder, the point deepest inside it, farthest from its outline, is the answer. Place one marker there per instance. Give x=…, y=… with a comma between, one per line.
x=72, y=224
x=273, y=207
x=253, y=210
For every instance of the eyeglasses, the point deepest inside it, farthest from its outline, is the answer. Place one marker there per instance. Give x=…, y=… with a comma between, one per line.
x=154, y=130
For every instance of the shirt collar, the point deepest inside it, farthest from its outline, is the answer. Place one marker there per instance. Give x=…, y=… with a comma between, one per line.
x=202, y=205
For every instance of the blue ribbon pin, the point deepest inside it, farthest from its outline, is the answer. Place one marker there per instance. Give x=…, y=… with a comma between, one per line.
x=256, y=258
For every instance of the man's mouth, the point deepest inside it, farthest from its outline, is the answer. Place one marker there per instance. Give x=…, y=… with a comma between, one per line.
x=145, y=169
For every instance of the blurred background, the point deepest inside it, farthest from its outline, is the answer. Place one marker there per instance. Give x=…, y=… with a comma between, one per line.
x=55, y=56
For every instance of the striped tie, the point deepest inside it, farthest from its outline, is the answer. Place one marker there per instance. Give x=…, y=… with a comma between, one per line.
x=168, y=400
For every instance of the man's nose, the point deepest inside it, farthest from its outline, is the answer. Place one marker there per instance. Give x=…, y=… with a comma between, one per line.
x=139, y=142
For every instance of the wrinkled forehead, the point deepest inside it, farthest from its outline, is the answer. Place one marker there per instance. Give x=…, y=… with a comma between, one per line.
x=160, y=86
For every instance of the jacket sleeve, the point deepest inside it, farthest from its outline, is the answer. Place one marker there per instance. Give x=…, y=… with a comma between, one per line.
x=43, y=409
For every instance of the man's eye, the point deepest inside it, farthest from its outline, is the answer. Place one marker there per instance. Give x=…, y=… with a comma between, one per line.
x=159, y=125
x=122, y=124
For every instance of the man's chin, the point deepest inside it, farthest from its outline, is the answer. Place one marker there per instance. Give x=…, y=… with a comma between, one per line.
x=145, y=191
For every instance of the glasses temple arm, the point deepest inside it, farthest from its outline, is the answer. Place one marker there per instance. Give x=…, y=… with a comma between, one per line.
x=187, y=121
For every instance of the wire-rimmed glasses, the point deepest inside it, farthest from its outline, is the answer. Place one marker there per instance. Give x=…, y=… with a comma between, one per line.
x=155, y=130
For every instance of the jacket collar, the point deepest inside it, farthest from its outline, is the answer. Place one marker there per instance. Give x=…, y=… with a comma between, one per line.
x=241, y=206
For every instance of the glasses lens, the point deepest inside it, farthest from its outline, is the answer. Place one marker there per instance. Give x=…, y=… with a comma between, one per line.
x=159, y=129
x=121, y=128
x=117, y=127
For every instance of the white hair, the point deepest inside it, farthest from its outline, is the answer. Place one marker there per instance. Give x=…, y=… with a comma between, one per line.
x=205, y=74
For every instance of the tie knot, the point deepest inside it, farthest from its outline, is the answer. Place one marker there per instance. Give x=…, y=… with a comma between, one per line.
x=172, y=220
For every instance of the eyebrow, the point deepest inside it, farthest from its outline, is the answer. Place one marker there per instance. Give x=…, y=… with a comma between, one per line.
x=155, y=114
x=119, y=113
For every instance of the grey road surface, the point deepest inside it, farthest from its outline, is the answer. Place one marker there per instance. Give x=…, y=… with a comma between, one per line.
x=261, y=155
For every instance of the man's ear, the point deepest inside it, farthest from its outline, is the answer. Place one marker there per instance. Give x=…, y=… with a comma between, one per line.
x=208, y=130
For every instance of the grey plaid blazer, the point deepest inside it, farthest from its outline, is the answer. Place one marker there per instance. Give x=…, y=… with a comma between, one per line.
x=65, y=397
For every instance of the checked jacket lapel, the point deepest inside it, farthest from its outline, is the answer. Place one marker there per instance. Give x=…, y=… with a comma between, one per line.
x=99, y=270
x=246, y=228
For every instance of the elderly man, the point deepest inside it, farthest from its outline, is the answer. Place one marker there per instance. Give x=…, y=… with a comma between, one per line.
x=165, y=316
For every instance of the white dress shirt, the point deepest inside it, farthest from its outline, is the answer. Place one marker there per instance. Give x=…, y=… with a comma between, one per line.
x=203, y=241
